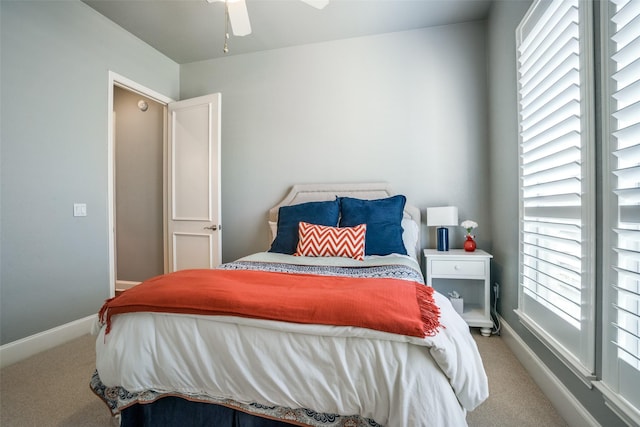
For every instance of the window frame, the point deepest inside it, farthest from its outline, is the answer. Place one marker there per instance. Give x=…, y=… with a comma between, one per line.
x=582, y=364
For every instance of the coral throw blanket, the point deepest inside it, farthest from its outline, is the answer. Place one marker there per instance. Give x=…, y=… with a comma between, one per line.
x=384, y=304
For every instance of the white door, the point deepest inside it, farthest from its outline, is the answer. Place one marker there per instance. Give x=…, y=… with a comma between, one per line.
x=194, y=225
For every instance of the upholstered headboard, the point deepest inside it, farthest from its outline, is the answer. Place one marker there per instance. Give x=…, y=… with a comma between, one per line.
x=302, y=193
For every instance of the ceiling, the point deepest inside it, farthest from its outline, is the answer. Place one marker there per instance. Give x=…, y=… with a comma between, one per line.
x=193, y=30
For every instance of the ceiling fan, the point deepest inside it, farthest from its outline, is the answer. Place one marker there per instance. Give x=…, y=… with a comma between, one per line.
x=236, y=13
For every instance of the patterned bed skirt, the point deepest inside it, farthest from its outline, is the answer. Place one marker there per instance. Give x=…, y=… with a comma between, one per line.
x=118, y=399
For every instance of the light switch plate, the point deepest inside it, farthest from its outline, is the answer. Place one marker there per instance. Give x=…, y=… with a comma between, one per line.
x=79, y=209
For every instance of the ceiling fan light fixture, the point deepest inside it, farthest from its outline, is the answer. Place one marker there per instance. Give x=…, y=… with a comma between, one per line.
x=236, y=14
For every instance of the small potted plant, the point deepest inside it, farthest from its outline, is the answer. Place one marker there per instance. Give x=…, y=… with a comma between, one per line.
x=470, y=243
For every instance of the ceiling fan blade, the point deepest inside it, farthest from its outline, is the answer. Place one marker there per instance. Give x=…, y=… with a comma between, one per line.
x=239, y=17
x=318, y=4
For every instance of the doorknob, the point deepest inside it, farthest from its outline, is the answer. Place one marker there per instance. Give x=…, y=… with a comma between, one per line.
x=214, y=227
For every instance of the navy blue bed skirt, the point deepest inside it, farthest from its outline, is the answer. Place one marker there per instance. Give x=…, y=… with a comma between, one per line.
x=173, y=411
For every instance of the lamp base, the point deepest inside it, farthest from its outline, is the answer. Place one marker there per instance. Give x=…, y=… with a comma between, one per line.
x=443, y=239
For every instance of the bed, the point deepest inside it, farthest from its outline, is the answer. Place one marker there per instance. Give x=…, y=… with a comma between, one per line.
x=332, y=326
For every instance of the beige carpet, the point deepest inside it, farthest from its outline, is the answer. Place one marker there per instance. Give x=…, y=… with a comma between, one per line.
x=514, y=398
x=52, y=389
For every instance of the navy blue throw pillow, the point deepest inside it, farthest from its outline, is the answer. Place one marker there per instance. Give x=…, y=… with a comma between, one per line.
x=384, y=222
x=320, y=213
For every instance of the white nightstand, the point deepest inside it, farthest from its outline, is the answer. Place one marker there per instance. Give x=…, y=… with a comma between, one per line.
x=467, y=273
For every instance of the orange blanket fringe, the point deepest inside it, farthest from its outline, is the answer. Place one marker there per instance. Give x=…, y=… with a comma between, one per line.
x=388, y=305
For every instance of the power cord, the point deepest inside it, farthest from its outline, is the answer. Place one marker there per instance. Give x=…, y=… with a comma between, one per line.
x=494, y=313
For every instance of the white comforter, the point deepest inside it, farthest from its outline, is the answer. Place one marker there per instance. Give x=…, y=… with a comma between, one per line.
x=397, y=381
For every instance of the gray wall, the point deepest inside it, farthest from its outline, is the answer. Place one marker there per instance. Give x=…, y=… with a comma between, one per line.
x=55, y=58
x=417, y=109
x=139, y=151
x=503, y=151
x=408, y=108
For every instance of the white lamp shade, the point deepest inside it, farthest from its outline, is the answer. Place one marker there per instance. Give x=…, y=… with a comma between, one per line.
x=442, y=216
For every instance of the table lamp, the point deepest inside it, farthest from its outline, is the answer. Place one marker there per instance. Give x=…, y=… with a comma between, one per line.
x=442, y=217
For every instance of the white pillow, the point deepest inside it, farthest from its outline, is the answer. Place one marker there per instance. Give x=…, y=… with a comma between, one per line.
x=410, y=235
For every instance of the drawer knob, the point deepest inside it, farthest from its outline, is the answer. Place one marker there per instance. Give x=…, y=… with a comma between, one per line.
x=456, y=267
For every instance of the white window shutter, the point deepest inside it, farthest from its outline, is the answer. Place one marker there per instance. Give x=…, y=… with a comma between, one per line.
x=621, y=139
x=556, y=180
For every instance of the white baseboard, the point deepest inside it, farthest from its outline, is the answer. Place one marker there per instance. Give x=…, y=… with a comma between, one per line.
x=21, y=349
x=569, y=408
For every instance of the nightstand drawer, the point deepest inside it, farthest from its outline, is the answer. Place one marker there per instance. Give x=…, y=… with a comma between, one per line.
x=457, y=268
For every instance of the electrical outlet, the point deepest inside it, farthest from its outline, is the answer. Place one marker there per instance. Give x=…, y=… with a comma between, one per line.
x=496, y=289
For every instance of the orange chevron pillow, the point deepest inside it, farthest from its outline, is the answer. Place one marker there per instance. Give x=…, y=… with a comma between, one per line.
x=322, y=240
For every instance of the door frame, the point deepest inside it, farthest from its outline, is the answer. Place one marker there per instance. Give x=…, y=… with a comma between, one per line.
x=118, y=80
